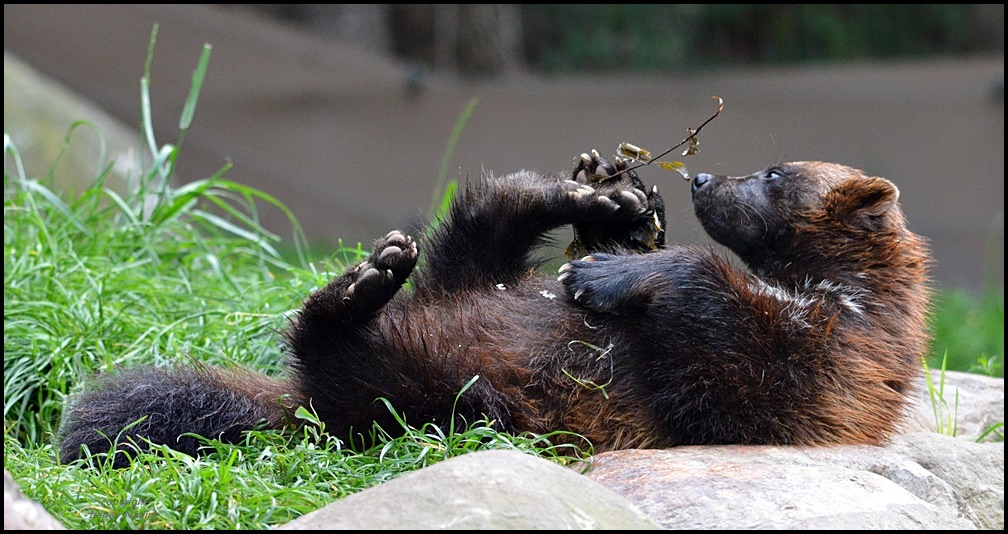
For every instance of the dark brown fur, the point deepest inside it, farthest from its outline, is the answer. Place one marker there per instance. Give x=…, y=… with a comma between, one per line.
x=818, y=341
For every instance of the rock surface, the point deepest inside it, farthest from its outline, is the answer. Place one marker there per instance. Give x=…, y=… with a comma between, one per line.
x=483, y=490
x=921, y=480
x=39, y=116
x=911, y=484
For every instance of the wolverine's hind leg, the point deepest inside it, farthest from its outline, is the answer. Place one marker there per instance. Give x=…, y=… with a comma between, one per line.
x=352, y=299
x=377, y=279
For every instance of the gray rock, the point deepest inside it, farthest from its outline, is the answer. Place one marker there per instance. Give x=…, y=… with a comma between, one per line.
x=920, y=481
x=972, y=403
x=22, y=513
x=482, y=490
x=974, y=472
x=39, y=115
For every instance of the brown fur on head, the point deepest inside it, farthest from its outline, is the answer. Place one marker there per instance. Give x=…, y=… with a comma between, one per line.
x=822, y=230
x=806, y=213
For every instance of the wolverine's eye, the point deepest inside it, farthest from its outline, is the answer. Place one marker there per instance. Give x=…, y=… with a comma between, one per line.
x=774, y=174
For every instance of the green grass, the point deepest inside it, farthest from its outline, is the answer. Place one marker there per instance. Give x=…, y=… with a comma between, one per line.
x=98, y=281
x=969, y=332
x=268, y=480
x=167, y=273
x=163, y=275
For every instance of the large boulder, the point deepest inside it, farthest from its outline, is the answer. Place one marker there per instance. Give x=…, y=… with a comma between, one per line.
x=925, y=481
x=56, y=130
x=922, y=479
x=482, y=490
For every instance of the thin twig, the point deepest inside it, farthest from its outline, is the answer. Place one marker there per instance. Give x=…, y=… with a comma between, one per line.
x=691, y=138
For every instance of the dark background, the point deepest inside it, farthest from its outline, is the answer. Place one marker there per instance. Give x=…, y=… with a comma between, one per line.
x=343, y=112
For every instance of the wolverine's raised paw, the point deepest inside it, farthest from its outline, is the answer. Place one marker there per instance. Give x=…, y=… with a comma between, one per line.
x=592, y=168
x=590, y=202
x=384, y=272
x=639, y=224
x=395, y=253
x=598, y=281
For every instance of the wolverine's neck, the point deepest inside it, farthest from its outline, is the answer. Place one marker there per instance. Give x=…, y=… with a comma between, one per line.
x=886, y=271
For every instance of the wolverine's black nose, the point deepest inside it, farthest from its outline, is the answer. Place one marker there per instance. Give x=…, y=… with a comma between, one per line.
x=700, y=180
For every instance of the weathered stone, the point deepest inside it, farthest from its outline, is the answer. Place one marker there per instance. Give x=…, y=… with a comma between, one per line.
x=973, y=403
x=40, y=115
x=974, y=472
x=22, y=513
x=849, y=487
x=922, y=479
x=482, y=490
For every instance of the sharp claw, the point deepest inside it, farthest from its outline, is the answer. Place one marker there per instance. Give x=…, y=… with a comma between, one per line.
x=565, y=267
x=588, y=259
x=578, y=293
x=563, y=277
x=630, y=197
x=609, y=202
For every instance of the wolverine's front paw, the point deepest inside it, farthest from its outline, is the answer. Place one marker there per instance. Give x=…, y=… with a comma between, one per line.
x=606, y=192
x=614, y=181
x=384, y=272
x=591, y=203
x=638, y=224
x=593, y=169
x=601, y=282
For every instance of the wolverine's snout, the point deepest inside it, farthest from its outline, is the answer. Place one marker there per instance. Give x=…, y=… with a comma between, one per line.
x=700, y=180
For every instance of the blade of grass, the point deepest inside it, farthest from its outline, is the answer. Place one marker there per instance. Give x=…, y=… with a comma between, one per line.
x=440, y=201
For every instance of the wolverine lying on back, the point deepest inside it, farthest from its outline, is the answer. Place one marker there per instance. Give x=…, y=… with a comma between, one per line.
x=819, y=341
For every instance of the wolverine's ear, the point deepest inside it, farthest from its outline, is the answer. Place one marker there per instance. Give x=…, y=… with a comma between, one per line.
x=862, y=197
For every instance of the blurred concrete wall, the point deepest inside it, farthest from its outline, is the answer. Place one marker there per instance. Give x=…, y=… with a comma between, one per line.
x=352, y=141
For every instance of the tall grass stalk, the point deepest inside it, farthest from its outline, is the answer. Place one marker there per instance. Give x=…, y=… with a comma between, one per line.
x=945, y=417
x=445, y=189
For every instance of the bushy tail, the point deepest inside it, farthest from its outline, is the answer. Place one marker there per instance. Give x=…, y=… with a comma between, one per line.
x=131, y=406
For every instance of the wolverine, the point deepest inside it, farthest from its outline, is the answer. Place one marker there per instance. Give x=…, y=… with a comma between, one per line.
x=812, y=332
